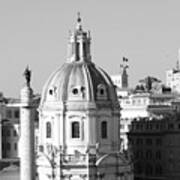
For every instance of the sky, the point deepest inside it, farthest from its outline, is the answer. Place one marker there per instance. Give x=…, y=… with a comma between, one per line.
x=35, y=33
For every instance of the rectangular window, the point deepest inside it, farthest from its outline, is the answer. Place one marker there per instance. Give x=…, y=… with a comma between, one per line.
x=148, y=141
x=41, y=148
x=15, y=146
x=8, y=132
x=9, y=113
x=158, y=155
x=129, y=127
x=48, y=130
x=15, y=133
x=3, y=132
x=16, y=114
x=170, y=126
x=8, y=146
x=104, y=129
x=75, y=129
x=121, y=126
x=158, y=142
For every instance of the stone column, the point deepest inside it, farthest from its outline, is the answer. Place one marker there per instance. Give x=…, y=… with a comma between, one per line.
x=0, y=138
x=27, y=159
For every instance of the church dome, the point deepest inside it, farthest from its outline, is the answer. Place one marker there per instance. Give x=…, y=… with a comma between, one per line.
x=79, y=79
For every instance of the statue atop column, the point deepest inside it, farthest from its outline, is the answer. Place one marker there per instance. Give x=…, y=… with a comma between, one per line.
x=27, y=74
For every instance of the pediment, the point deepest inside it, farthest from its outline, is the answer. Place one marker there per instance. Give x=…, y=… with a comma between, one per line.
x=110, y=159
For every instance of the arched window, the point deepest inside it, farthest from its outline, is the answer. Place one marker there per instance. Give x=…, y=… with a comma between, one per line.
x=104, y=129
x=75, y=130
x=48, y=130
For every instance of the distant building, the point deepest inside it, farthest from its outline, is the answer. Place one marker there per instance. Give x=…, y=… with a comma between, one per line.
x=173, y=77
x=155, y=148
x=121, y=80
x=10, y=126
x=142, y=105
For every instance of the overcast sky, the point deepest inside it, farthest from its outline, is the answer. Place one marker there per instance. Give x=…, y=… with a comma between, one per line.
x=35, y=32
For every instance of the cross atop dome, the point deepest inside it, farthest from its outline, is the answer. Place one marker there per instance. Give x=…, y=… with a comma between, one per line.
x=79, y=17
x=78, y=26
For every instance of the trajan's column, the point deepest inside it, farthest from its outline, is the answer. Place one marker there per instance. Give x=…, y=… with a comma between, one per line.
x=27, y=161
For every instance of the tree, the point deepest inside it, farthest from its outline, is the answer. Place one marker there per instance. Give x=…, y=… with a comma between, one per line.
x=148, y=82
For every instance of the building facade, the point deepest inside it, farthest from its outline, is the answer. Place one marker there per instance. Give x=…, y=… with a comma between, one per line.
x=142, y=105
x=121, y=80
x=79, y=120
x=155, y=147
x=10, y=128
x=173, y=77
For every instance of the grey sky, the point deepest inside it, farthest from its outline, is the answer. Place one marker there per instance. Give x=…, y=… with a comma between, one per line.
x=35, y=33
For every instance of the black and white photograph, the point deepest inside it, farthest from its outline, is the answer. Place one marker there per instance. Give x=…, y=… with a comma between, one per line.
x=90, y=90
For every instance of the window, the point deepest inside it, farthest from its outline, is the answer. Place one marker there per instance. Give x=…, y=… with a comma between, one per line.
x=8, y=146
x=148, y=141
x=129, y=127
x=15, y=146
x=51, y=92
x=84, y=49
x=139, y=154
x=170, y=126
x=158, y=155
x=104, y=129
x=75, y=91
x=139, y=141
x=48, y=130
x=158, y=142
x=149, y=170
x=137, y=126
x=121, y=126
x=8, y=133
x=157, y=126
x=15, y=133
x=102, y=91
x=158, y=170
x=148, y=154
x=139, y=169
x=16, y=114
x=41, y=148
x=75, y=130
x=3, y=132
x=9, y=114
x=3, y=148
